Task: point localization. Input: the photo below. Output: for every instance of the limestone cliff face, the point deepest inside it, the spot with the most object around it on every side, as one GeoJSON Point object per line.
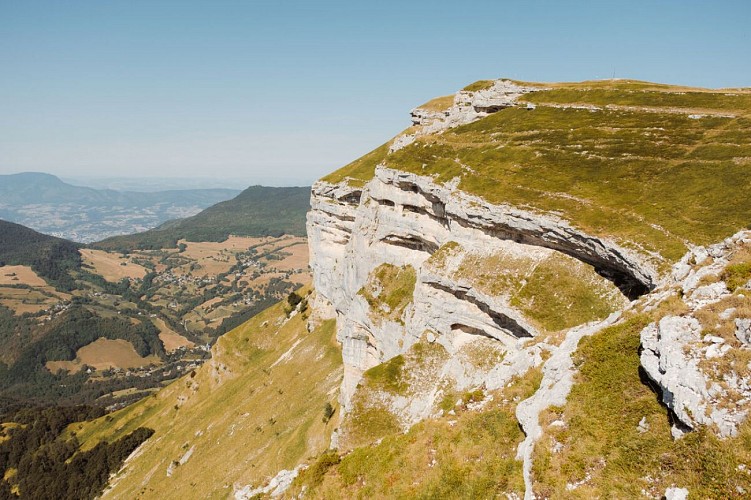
{"type": "Point", "coordinates": [402, 259]}
{"type": "Point", "coordinates": [402, 219]}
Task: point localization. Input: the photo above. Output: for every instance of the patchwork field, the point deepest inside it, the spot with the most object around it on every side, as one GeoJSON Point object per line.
{"type": "Point", "coordinates": [24, 292]}
{"type": "Point", "coordinates": [170, 338]}
{"type": "Point", "coordinates": [112, 266]}
{"type": "Point", "coordinates": [15, 275]}
{"type": "Point", "coordinates": [103, 354]}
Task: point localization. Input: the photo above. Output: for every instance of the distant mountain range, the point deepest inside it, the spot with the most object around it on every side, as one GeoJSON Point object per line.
{"type": "Point", "coordinates": [46, 203]}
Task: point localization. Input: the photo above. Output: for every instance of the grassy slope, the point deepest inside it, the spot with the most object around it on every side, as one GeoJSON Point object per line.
{"type": "Point", "coordinates": [257, 211]}
{"type": "Point", "coordinates": [247, 418]}
{"type": "Point", "coordinates": [467, 454]}
{"type": "Point", "coordinates": [641, 172]}
{"type": "Point", "coordinates": [554, 293]}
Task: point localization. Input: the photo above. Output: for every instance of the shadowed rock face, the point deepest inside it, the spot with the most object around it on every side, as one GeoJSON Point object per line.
{"type": "Point", "coordinates": [402, 219]}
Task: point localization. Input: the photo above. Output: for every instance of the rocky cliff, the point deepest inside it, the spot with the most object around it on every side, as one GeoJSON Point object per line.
{"type": "Point", "coordinates": [410, 257]}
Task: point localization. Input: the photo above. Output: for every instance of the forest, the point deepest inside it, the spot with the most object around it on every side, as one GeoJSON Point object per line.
{"type": "Point", "coordinates": [40, 463]}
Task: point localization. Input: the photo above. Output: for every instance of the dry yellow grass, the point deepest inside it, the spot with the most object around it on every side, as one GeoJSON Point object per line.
{"type": "Point", "coordinates": [23, 300]}
{"type": "Point", "coordinates": [215, 257]}
{"type": "Point", "coordinates": [112, 266]}
{"type": "Point", "coordinates": [20, 275]}
{"type": "Point", "coordinates": [170, 338]}
{"type": "Point", "coordinates": [203, 249]}
{"type": "Point", "coordinates": [298, 260]}
{"type": "Point", "coordinates": [439, 103]}
{"type": "Point", "coordinates": [26, 300]}
{"type": "Point", "coordinates": [103, 354]}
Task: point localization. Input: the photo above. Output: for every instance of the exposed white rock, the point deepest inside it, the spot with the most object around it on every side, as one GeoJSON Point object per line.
{"type": "Point", "coordinates": [674, 352]}
{"type": "Point", "coordinates": [743, 330]}
{"type": "Point", "coordinates": [709, 293]}
{"type": "Point", "coordinates": [643, 426]}
{"type": "Point", "coordinates": [276, 487]}
{"type": "Point", "coordinates": [401, 219]}
{"type": "Point", "coordinates": [557, 381]}
{"type": "Point", "coordinates": [683, 384]}
{"type": "Point", "coordinates": [468, 106]}
{"type": "Point", "coordinates": [676, 494]}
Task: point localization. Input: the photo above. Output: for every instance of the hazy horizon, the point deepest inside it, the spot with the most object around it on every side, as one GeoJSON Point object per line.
{"type": "Point", "coordinates": [280, 93]}
{"type": "Point", "coordinates": [156, 182]}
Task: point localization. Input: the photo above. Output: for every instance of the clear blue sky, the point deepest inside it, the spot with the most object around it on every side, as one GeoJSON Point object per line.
{"type": "Point", "coordinates": [282, 92]}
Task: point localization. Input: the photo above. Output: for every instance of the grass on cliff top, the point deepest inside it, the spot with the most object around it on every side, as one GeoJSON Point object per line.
{"type": "Point", "coordinates": [361, 170]}
{"type": "Point", "coordinates": [468, 455]}
{"type": "Point", "coordinates": [438, 104]}
{"type": "Point", "coordinates": [601, 441]}
{"type": "Point", "coordinates": [654, 179]}
{"type": "Point", "coordinates": [265, 389]}
{"type": "Point", "coordinates": [739, 102]}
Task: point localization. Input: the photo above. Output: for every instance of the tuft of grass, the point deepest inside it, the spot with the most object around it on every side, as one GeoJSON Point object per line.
{"type": "Point", "coordinates": [389, 291]}
{"type": "Point", "coordinates": [388, 376]}
{"type": "Point", "coordinates": [313, 475]}
{"type": "Point", "coordinates": [736, 275]}
{"type": "Point", "coordinates": [415, 373]}
{"type": "Point", "coordinates": [479, 85]}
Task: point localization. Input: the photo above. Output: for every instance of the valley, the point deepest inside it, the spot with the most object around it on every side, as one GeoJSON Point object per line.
{"type": "Point", "coordinates": [188, 295]}
{"type": "Point", "coordinates": [108, 323]}
{"type": "Point", "coordinates": [47, 204]}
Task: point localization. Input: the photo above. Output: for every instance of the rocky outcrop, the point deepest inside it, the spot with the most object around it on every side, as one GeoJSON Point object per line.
{"type": "Point", "coordinates": [468, 106]}
{"type": "Point", "coordinates": [275, 487]}
{"type": "Point", "coordinates": [696, 359]}
{"type": "Point", "coordinates": [402, 219]}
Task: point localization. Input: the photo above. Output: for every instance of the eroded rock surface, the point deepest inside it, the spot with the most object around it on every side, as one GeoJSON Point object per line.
{"type": "Point", "coordinates": [699, 358]}
{"type": "Point", "coordinates": [468, 106]}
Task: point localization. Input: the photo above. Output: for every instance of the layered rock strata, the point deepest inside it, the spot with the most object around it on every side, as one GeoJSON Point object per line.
{"type": "Point", "coordinates": [401, 219]}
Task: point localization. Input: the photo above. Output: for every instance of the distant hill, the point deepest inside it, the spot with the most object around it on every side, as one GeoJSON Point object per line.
{"type": "Point", "coordinates": [46, 203]}
{"type": "Point", "coordinates": [34, 187]}
{"type": "Point", "coordinates": [257, 211]}
{"type": "Point", "coordinates": [48, 256]}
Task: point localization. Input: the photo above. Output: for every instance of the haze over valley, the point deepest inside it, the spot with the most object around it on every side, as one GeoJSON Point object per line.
{"type": "Point", "coordinates": [45, 203]}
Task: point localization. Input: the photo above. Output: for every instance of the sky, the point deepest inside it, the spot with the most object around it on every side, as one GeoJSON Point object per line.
{"type": "Point", "coordinates": [283, 92]}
